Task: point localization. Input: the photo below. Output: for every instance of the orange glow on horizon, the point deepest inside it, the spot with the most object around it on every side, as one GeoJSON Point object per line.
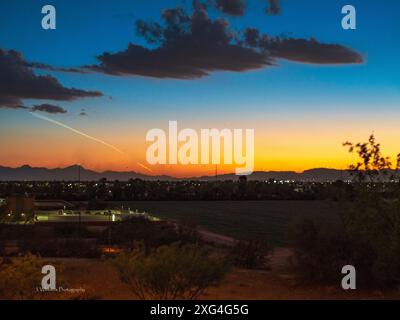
{"type": "Point", "coordinates": [293, 145]}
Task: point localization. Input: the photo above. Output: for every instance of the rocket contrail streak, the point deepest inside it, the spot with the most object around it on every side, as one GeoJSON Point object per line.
{"type": "Point", "coordinates": [76, 131]}
{"type": "Point", "coordinates": [144, 167]}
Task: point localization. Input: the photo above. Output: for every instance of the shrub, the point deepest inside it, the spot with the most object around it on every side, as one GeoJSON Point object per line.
{"type": "Point", "coordinates": [20, 277]}
{"type": "Point", "coordinates": [152, 234]}
{"type": "Point", "coordinates": [62, 248]}
{"type": "Point", "coordinates": [374, 216]}
{"type": "Point", "coordinates": [320, 251]}
{"type": "Point", "coordinates": [369, 234]}
{"type": "Point", "coordinates": [71, 230]}
{"type": "Point", "coordinates": [251, 254]}
{"type": "Point", "coordinates": [169, 272]}
{"type": "Point", "coordinates": [376, 222]}
{"type": "Point", "coordinates": [187, 231]}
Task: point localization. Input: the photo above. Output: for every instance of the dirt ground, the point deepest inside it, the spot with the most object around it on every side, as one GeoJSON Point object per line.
{"type": "Point", "coordinates": [101, 282]}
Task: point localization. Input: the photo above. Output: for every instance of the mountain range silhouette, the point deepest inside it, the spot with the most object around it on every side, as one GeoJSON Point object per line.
{"type": "Point", "coordinates": [76, 172]}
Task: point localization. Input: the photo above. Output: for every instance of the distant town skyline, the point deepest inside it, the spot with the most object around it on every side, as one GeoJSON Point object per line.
{"type": "Point", "coordinates": [292, 73]}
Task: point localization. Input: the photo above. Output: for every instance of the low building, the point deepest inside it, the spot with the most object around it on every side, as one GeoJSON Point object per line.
{"type": "Point", "coordinates": [53, 205]}
{"type": "Point", "coordinates": [20, 205]}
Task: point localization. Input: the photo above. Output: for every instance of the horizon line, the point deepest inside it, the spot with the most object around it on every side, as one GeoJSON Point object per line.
{"type": "Point", "coordinates": [168, 175]}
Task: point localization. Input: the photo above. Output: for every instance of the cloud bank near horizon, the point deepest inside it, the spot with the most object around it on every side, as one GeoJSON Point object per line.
{"type": "Point", "coordinates": [19, 82]}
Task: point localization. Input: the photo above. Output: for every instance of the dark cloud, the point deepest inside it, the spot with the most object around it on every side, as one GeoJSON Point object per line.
{"type": "Point", "coordinates": [312, 51]}
{"type": "Point", "coordinates": [49, 108]}
{"type": "Point", "coordinates": [252, 37]}
{"type": "Point", "coordinates": [43, 66]}
{"type": "Point", "coordinates": [18, 82]}
{"type": "Point", "coordinates": [10, 102]}
{"type": "Point", "coordinates": [274, 7]}
{"type": "Point", "coordinates": [192, 46]}
{"type": "Point", "coordinates": [232, 7]}
{"type": "Point", "coordinates": [301, 50]}
{"type": "Point", "coordinates": [188, 47]}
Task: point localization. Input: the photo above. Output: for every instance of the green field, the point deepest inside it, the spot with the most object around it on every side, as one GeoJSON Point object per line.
{"type": "Point", "coordinates": [267, 220]}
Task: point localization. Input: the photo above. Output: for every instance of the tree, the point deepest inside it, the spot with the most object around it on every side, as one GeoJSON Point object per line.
{"type": "Point", "coordinates": [174, 272]}
{"type": "Point", "coordinates": [368, 235]}
{"type": "Point", "coordinates": [372, 164]}
{"type": "Point", "coordinates": [373, 217]}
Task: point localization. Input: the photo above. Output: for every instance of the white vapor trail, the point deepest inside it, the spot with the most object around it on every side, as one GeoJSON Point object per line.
{"type": "Point", "coordinates": [145, 167]}
{"type": "Point", "coordinates": [76, 131]}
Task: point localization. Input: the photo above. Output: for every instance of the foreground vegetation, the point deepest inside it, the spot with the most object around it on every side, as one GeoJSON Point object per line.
{"type": "Point", "coordinates": [368, 233]}
{"type": "Point", "coordinates": [174, 272]}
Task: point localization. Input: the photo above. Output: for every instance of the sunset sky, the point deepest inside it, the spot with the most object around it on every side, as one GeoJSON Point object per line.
{"type": "Point", "coordinates": [318, 87]}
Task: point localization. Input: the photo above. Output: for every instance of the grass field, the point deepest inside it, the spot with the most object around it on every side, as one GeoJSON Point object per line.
{"type": "Point", "coordinates": [267, 220]}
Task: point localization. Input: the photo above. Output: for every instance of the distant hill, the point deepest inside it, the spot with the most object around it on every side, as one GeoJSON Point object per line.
{"type": "Point", "coordinates": [317, 175]}
{"type": "Point", "coordinates": [71, 173]}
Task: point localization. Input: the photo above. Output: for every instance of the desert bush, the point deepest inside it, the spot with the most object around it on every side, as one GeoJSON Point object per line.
{"type": "Point", "coordinates": [320, 252]}
{"type": "Point", "coordinates": [369, 234]}
{"type": "Point", "coordinates": [376, 222]}
{"type": "Point", "coordinates": [88, 293]}
{"type": "Point", "coordinates": [20, 277]}
{"type": "Point", "coordinates": [187, 231]}
{"type": "Point", "coordinates": [17, 232]}
{"type": "Point", "coordinates": [252, 254]}
{"type": "Point", "coordinates": [152, 234]}
{"type": "Point", "coordinates": [71, 230]}
{"type": "Point", "coordinates": [170, 272]}
{"type": "Point", "coordinates": [374, 216]}
{"type": "Point", "coordinates": [77, 248]}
